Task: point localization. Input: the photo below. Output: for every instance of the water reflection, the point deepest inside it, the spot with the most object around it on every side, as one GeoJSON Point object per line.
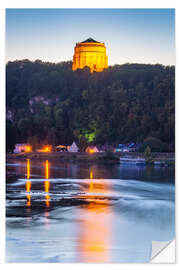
{"type": "Point", "coordinates": [96, 226]}
{"type": "Point", "coordinates": [91, 181]}
{"type": "Point", "coordinates": [62, 169]}
{"type": "Point", "coordinates": [28, 184]}
{"type": "Point", "coordinates": [47, 183]}
{"type": "Point", "coordinates": [87, 216]}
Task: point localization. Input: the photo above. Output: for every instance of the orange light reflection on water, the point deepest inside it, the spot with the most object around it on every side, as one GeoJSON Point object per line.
{"type": "Point", "coordinates": [91, 181]}
{"type": "Point", "coordinates": [28, 168]}
{"type": "Point", "coordinates": [28, 199]}
{"type": "Point", "coordinates": [96, 225]}
{"type": "Point", "coordinates": [28, 184]}
{"type": "Point", "coordinates": [47, 183]}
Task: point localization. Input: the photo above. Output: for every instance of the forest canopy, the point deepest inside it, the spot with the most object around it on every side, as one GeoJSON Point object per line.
{"type": "Point", "coordinates": [50, 103]}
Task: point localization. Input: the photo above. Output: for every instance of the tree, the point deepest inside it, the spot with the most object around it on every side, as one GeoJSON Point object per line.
{"type": "Point", "coordinates": [155, 145]}
{"type": "Point", "coordinates": [147, 152]}
{"type": "Point", "coordinates": [123, 103]}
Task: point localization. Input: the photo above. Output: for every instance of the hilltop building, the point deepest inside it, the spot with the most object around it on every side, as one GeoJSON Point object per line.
{"type": "Point", "coordinates": [90, 53]}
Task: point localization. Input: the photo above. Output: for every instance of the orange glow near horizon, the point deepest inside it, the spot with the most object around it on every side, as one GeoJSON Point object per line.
{"type": "Point", "coordinates": [28, 148]}
{"type": "Point", "coordinates": [91, 150]}
{"type": "Point", "coordinates": [28, 184]}
{"type": "Point", "coordinates": [47, 148]}
{"type": "Point", "coordinates": [47, 183]}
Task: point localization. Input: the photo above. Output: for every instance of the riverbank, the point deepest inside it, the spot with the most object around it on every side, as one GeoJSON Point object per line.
{"type": "Point", "coordinates": [66, 156]}
{"type": "Point", "coordinates": [113, 158]}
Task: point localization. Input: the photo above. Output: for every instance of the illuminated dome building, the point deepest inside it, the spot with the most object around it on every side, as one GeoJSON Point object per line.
{"type": "Point", "coordinates": [90, 53]}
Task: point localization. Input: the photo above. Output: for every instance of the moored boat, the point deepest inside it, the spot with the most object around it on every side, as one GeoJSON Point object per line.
{"type": "Point", "coordinates": [132, 161]}
{"type": "Point", "coordinates": [159, 163]}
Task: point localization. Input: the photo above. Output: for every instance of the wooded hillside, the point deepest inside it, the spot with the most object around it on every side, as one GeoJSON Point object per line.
{"type": "Point", "coordinates": [50, 103]}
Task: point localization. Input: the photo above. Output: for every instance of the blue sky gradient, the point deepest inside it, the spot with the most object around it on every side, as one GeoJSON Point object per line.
{"type": "Point", "coordinates": [130, 35]}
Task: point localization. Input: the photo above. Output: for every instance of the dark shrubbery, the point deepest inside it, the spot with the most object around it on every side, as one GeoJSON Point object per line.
{"type": "Point", "coordinates": [109, 156]}
{"type": "Point", "coordinates": [155, 145]}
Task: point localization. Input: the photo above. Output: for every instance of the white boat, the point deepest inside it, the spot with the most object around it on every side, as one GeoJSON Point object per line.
{"type": "Point", "coordinates": [159, 163]}
{"type": "Point", "coordinates": [132, 161]}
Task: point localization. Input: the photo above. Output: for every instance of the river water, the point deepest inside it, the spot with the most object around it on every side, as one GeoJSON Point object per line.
{"type": "Point", "coordinates": [67, 212]}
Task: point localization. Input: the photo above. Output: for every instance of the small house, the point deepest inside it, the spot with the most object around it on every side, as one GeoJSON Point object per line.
{"type": "Point", "coordinates": [92, 149]}
{"type": "Point", "coordinates": [73, 148]}
{"type": "Point", "coordinates": [22, 147]}
{"type": "Point", "coordinates": [61, 148]}
{"type": "Point", "coordinates": [130, 147]}
{"type": "Point", "coordinates": [121, 148]}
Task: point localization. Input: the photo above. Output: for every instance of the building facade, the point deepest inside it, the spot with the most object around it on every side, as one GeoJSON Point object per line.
{"type": "Point", "coordinates": [22, 147]}
{"type": "Point", "coordinates": [90, 53]}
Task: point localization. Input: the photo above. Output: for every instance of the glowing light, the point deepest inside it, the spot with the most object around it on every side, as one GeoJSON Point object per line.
{"type": "Point", "coordinates": [47, 183]}
{"type": "Point", "coordinates": [28, 200]}
{"type": "Point", "coordinates": [47, 169]}
{"type": "Point", "coordinates": [23, 148]}
{"type": "Point", "coordinates": [28, 184]}
{"type": "Point", "coordinates": [28, 148]}
{"type": "Point", "coordinates": [28, 168]}
{"type": "Point", "coordinates": [91, 174]}
{"type": "Point", "coordinates": [91, 54]}
{"type": "Point", "coordinates": [91, 182]}
{"type": "Point", "coordinates": [47, 200]}
{"type": "Point", "coordinates": [91, 151]}
{"type": "Point", "coordinates": [95, 231]}
{"type": "Point", "coordinates": [90, 136]}
{"type": "Point", "coordinates": [46, 148]}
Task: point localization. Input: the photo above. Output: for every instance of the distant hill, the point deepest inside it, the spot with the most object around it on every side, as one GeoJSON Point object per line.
{"type": "Point", "coordinates": [49, 102]}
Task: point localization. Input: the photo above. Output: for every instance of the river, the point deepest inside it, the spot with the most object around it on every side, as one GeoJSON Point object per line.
{"type": "Point", "coordinates": [69, 212]}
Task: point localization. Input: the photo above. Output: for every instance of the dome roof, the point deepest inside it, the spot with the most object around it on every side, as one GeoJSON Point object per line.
{"type": "Point", "coordinates": [89, 40]}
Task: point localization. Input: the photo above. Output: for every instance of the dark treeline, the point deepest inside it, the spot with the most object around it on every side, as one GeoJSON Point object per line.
{"type": "Point", "coordinates": [50, 103]}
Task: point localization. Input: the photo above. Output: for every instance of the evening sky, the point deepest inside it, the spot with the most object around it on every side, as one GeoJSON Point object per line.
{"type": "Point", "coordinates": [130, 35]}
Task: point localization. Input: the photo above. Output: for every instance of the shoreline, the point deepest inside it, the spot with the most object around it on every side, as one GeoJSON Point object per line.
{"type": "Point", "coordinates": [90, 158]}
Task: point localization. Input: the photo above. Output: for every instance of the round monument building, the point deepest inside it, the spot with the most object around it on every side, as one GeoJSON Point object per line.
{"type": "Point", "coordinates": [90, 53]}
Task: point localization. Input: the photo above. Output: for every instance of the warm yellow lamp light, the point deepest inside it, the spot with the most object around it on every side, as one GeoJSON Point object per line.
{"type": "Point", "coordinates": [46, 148]}
{"type": "Point", "coordinates": [28, 148]}
{"type": "Point", "coordinates": [91, 151]}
